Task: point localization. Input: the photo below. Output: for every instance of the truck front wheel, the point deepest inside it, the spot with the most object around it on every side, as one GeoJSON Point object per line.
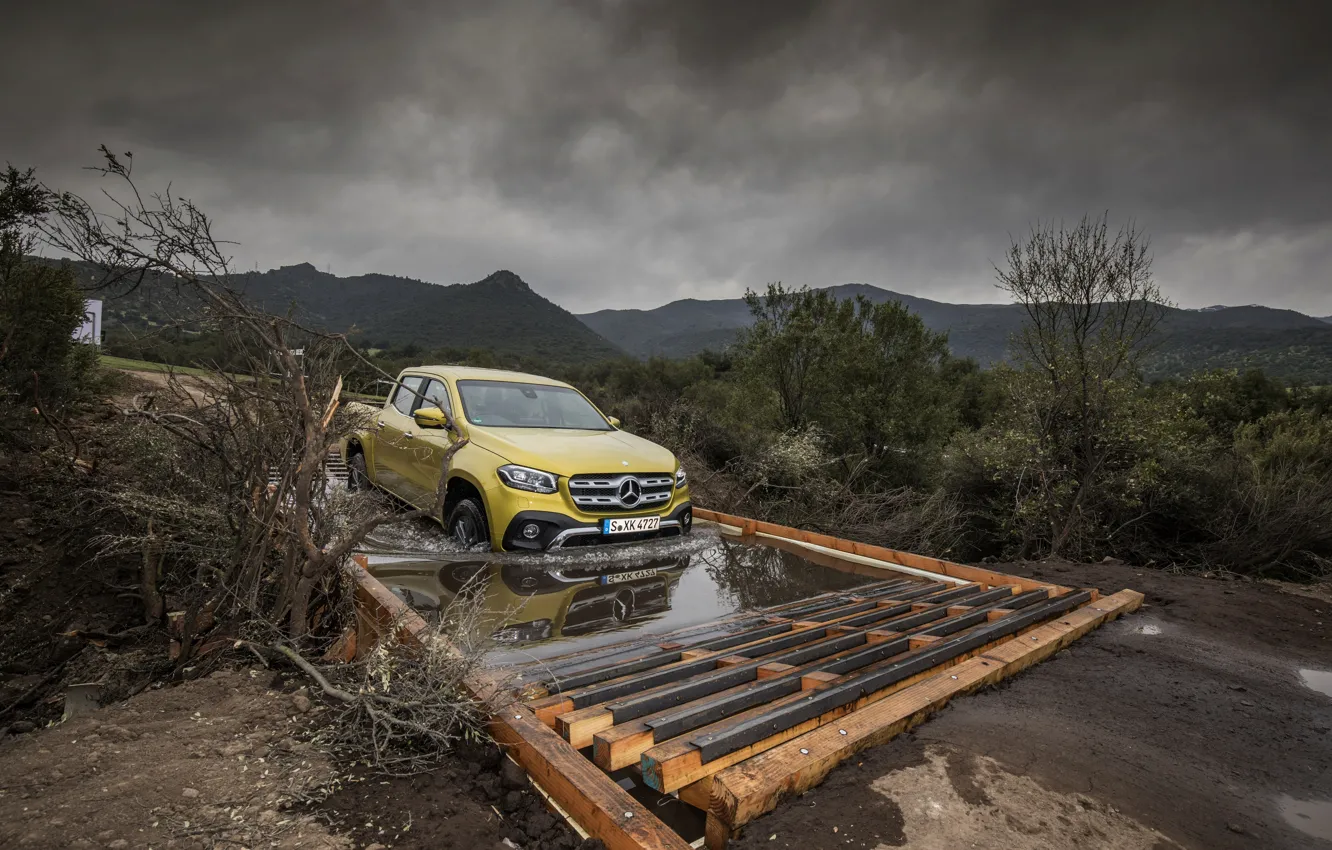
{"type": "Point", "coordinates": [467, 524]}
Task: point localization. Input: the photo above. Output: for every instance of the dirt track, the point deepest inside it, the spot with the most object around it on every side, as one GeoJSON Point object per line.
{"type": "Point", "coordinates": [1183, 725]}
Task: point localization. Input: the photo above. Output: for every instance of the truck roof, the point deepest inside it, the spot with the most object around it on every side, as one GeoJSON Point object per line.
{"type": "Point", "coordinates": [476, 373]}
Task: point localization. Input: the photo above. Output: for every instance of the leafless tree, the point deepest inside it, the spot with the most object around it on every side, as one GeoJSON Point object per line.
{"type": "Point", "coordinates": [245, 520]}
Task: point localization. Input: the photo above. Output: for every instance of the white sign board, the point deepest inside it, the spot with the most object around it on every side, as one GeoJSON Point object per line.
{"type": "Point", "coordinates": [91, 329]}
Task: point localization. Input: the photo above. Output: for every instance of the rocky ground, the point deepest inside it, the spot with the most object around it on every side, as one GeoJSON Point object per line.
{"type": "Point", "coordinates": [213, 762]}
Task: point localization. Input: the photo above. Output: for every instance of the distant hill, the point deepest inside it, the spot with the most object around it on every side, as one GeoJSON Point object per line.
{"type": "Point", "coordinates": [500, 313]}
{"type": "Point", "coordinates": [686, 327]}
{"type": "Point", "coordinates": [1285, 343]}
{"type": "Point", "coordinates": [503, 314]}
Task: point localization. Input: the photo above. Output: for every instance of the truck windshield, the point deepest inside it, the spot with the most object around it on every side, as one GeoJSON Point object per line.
{"type": "Point", "coordinates": [505, 404]}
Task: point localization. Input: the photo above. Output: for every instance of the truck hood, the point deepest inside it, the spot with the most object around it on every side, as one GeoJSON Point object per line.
{"type": "Point", "coordinates": [566, 452]}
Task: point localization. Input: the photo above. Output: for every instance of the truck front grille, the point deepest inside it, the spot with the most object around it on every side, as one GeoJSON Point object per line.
{"type": "Point", "coordinates": [617, 491]}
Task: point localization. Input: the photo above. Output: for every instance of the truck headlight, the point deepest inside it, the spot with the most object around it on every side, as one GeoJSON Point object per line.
{"type": "Point", "coordinates": [680, 478]}
{"type": "Point", "coordinates": [526, 478]}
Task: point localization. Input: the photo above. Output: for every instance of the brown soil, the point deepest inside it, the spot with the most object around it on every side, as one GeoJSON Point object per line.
{"type": "Point", "coordinates": [212, 763]}
{"type": "Point", "coordinates": [1179, 726]}
{"type": "Point", "coordinates": [475, 801]}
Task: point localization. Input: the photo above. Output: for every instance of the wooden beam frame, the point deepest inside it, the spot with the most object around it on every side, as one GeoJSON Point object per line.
{"type": "Point", "coordinates": [889, 557]}
{"type": "Point", "coordinates": [741, 793]}
{"type": "Point", "coordinates": [750, 781]}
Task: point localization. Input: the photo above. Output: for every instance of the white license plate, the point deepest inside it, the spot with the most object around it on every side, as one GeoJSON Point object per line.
{"type": "Point", "coordinates": [630, 525]}
{"type": "Point", "coordinates": [632, 575]}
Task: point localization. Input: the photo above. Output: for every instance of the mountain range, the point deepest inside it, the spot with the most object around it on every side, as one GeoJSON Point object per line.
{"type": "Point", "coordinates": [503, 314]}
{"type": "Point", "coordinates": [1283, 342]}
{"type": "Point", "coordinates": [500, 312]}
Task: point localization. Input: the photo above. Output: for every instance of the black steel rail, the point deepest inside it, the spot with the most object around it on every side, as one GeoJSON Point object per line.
{"type": "Point", "coordinates": [581, 678]}
{"type": "Point", "coordinates": [699, 714]}
{"type": "Point", "coordinates": [721, 679]}
{"type": "Point", "coordinates": [717, 744]}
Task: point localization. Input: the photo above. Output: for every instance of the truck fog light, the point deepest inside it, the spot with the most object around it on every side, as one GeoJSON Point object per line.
{"type": "Point", "coordinates": [531, 530]}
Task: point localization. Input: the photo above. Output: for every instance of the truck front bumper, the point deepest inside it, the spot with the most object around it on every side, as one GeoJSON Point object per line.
{"type": "Point", "coordinates": [557, 531]}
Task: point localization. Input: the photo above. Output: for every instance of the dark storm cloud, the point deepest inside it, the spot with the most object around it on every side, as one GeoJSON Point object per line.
{"type": "Point", "coordinates": [622, 153]}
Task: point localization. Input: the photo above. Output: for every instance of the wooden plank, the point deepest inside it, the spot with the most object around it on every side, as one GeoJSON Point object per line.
{"type": "Point", "coordinates": [732, 660]}
{"type": "Point", "coordinates": [882, 553]}
{"type": "Point", "coordinates": [549, 709]}
{"type": "Point", "coordinates": [816, 680]}
{"type": "Point", "coordinates": [745, 791]}
{"type": "Point", "coordinates": [776, 668]}
{"type": "Point", "coordinates": [578, 727]}
{"type": "Point", "coordinates": [922, 640]}
{"type": "Point", "coordinates": [698, 795]}
{"type": "Point", "coordinates": [379, 604]}
{"type": "Point", "coordinates": [589, 796]}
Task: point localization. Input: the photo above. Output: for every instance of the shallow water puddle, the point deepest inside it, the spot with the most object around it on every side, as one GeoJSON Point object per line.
{"type": "Point", "coordinates": [1312, 817]}
{"type": "Point", "coordinates": [1318, 680]}
{"type": "Point", "coordinates": [537, 606]}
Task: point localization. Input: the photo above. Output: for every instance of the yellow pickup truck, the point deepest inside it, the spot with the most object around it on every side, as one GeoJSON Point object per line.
{"type": "Point", "coordinates": [542, 467]}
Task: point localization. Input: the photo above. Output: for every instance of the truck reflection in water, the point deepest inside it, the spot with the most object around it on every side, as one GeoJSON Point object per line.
{"type": "Point", "coordinates": [527, 603]}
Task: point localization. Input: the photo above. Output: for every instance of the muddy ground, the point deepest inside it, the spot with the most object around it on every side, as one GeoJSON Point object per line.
{"type": "Point", "coordinates": [214, 762]}
{"type": "Point", "coordinates": [223, 762]}
{"type": "Point", "coordinates": [1185, 725]}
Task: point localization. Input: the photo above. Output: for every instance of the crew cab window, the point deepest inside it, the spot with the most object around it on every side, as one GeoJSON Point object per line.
{"type": "Point", "coordinates": [435, 395]}
{"type": "Point", "coordinates": [404, 400]}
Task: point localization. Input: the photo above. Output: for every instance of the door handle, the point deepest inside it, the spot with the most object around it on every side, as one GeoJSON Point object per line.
{"type": "Point", "coordinates": [408, 434]}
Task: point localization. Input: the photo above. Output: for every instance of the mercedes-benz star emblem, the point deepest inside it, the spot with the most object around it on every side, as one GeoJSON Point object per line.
{"type": "Point", "coordinates": [630, 492]}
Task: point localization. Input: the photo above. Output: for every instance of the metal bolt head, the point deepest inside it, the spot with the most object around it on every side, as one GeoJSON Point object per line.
{"type": "Point", "coordinates": [841, 731]}
{"type": "Point", "coordinates": [628, 814]}
{"type": "Point", "coordinates": [804, 752]}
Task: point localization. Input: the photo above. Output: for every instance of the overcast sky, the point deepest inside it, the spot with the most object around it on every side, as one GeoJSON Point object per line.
{"type": "Point", "coordinates": [625, 153]}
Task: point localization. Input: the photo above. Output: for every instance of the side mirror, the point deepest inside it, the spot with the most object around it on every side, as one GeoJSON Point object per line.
{"type": "Point", "coordinates": [614, 421]}
{"type": "Point", "coordinates": [432, 417]}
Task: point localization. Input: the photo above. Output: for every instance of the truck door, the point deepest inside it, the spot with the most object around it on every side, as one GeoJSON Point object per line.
{"type": "Point", "coordinates": [395, 435]}
{"type": "Point", "coordinates": [428, 457]}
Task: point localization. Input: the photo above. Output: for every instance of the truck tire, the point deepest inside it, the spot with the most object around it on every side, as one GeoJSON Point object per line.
{"type": "Point", "coordinates": [358, 477]}
{"type": "Point", "coordinates": [467, 524]}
